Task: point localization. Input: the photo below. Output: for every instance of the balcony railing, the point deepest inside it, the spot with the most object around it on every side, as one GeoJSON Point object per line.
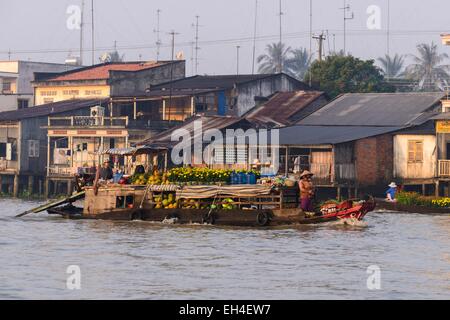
{"type": "Point", "coordinates": [444, 168]}
{"type": "Point", "coordinates": [7, 165]}
{"type": "Point", "coordinates": [83, 121]}
{"type": "Point", "coordinates": [60, 171]}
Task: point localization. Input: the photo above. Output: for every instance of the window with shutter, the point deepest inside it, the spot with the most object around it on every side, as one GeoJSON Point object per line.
{"type": "Point", "coordinates": [33, 148]}
{"type": "Point", "coordinates": [415, 151]}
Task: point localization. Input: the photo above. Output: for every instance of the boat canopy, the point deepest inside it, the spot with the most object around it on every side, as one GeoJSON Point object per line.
{"type": "Point", "coordinates": [133, 151]}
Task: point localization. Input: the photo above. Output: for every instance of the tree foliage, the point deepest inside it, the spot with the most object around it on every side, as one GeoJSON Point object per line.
{"type": "Point", "coordinates": [275, 56]}
{"type": "Point", "coordinates": [428, 69]}
{"type": "Point", "coordinates": [392, 66]}
{"type": "Point", "coordinates": [346, 74]}
{"type": "Point", "coordinates": [298, 63]}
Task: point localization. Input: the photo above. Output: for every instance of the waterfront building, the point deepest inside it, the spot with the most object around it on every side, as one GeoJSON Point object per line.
{"type": "Point", "coordinates": [16, 91]}
{"type": "Point", "coordinates": [364, 141]}
{"type": "Point", "coordinates": [23, 145]}
{"type": "Point", "coordinates": [106, 80]}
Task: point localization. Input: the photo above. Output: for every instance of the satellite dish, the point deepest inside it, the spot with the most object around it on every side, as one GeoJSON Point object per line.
{"type": "Point", "coordinates": [106, 57]}
{"type": "Point", "coordinates": [180, 55]}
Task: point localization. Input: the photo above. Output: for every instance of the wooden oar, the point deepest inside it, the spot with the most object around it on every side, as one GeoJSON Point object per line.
{"type": "Point", "coordinates": [53, 204]}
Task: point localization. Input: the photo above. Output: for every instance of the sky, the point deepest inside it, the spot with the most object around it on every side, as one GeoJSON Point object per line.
{"type": "Point", "coordinates": [38, 30]}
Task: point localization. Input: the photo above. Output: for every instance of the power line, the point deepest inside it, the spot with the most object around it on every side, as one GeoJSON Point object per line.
{"type": "Point", "coordinates": [294, 35]}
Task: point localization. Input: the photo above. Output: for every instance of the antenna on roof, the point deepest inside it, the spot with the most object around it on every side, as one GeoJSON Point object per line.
{"type": "Point", "coordinates": [196, 44]}
{"type": "Point", "coordinates": [81, 32]}
{"type": "Point", "coordinates": [92, 32]}
{"type": "Point", "coordinates": [158, 34]}
{"type": "Point", "coordinates": [255, 32]}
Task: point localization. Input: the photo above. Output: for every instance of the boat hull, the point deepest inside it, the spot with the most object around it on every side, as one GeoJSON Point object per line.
{"type": "Point", "coordinates": [393, 206]}
{"type": "Point", "coordinates": [238, 218]}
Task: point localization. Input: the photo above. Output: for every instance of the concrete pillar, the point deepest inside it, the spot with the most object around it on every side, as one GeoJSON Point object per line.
{"type": "Point", "coordinates": [30, 184]}
{"type": "Point", "coordinates": [339, 195]}
{"type": "Point", "coordinates": [436, 190]}
{"type": "Point", "coordinates": [424, 189]}
{"type": "Point", "coordinates": [69, 187]}
{"type": "Point", "coordinates": [16, 186]}
{"type": "Point", "coordinates": [46, 188]}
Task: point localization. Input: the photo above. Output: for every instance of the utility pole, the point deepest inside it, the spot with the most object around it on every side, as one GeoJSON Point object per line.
{"type": "Point", "coordinates": [388, 35]}
{"type": "Point", "coordinates": [255, 31]}
{"type": "Point", "coordinates": [81, 32]}
{"type": "Point", "coordinates": [334, 43]}
{"type": "Point", "coordinates": [345, 9]}
{"type": "Point", "coordinates": [237, 59]}
{"type": "Point", "coordinates": [310, 36]}
{"type": "Point", "coordinates": [173, 34]}
{"type": "Point", "coordinates": [158, 35]}
{"type": "Point", "coordinates": [320, 39]}
{"type": "Point", "coordinates": [280, 62]}
{"type": "Point", "coordinates": [196, 44]}
{"type": "Point", "coordinates": [92, 31]}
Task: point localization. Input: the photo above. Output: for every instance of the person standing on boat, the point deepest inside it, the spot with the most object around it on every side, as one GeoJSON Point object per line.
{"type": "Point", "coordinates": [391, 192]}
{"type": "Point", "coordinates": [106, 172]}
{"type": "Point", "coordinates": [306, 191]}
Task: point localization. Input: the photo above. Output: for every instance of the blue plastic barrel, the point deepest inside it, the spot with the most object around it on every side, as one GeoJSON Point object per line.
{"type": "Point", "coordinates": [234, 178]}
{"type": "Point", "coordinates": [251, 178]}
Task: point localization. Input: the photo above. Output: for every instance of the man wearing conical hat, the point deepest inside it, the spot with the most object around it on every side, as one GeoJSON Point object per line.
{"type": "Point", "coordinates": [306, 191]}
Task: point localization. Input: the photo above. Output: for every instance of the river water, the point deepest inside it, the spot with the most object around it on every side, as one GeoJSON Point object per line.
{"type": "Point", "coordinates": [140, 260]}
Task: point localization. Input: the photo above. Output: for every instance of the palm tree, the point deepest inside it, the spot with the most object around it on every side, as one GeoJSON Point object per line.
{"type": "Point", "coordinates": [392, 66]}
{"type": "Point", "coordinates": [428, 69]}
{"type": "Point", "coordinates": [274, 60]}
{"type": "Point", "coordinates": [298, 64]}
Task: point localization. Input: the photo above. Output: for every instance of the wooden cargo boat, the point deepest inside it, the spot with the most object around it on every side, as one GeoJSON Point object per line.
{"type": "Point", "coordinates": [242, 205]}
{"type": "Point", "coordinates": [395, 206]}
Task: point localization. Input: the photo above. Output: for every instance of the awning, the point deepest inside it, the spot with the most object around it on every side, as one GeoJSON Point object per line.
{"type": "Point", "coordinates": [133, 151]}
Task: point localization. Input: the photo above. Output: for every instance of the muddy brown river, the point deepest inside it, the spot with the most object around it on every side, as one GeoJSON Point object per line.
{"type": "Point", "coordinates": [141, 260]}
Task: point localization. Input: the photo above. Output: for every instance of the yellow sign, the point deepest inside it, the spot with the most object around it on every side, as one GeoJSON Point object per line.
{"type": "Point", "coordinates": [443, 127]}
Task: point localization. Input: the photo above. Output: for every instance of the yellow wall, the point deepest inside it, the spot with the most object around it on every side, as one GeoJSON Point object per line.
{"type": "Point", "coordinates": [55, 94]}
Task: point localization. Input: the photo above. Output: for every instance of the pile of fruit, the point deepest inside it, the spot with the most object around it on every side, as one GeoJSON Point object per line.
{"type": "Point", "coordinates": [226, 204]}
{"type": "Point", "coordinates": [155, 179]}
{"type": "Point", "coordinates": [165, 201]}
{"type": "Point", "coordinates": [198, 175]}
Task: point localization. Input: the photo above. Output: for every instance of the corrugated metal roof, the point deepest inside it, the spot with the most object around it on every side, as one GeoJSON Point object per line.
{"type": "Point", "coordinates": [282, 106]}
{"type": "Point", "coordinates": [211, 82]}
{"type": "Point", "coordinates": [376, 109]}
{"type": "Point", "coordinates": [208, 122]}
{"type": "Point", "coordinates": [50, 109]}
{"type": "Point", "coordinates": [101, 72]}
{"type": "Point", "coordinates": [442, 116]}
{"type": "Point", "coordinates": [329, 135]}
